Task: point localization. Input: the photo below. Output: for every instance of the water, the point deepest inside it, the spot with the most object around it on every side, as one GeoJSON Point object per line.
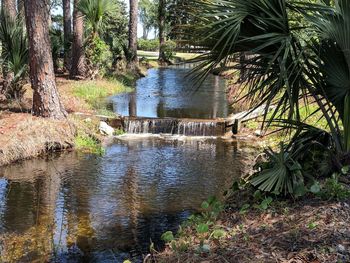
{"type": "Point", "coordinates": [183, 127]}
{"type": "Point", "coordinates": [78, 207]}
{"type": "Point", "coordinates": [168, 92]}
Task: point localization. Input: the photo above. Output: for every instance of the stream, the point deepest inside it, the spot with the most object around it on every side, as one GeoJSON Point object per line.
{"type": "Point", "coordinates": [78, 207]}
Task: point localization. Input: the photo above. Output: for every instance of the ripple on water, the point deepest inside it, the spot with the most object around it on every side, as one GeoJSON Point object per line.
{"type": "Point", "coordinates": [105, 207]}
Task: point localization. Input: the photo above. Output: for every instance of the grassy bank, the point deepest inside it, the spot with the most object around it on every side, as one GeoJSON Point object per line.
{"type": "Point", "coordinates": [24, 136]}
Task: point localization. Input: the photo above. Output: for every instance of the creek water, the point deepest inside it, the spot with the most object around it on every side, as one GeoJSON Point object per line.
{"type": "Point", "coordinates": [78, 207]}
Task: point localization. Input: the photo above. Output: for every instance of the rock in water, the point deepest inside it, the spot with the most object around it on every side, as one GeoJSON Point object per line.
{"type": "Point", "coordinates": [106, 129]}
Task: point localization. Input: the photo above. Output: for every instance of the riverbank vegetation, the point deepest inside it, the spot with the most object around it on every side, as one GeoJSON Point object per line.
{"type": "Point", "coordinates": [288, 56]}
{"type": "Point", "coordinates": [292, 56]}
{"type": "Point", "coordinates": [89, 48]}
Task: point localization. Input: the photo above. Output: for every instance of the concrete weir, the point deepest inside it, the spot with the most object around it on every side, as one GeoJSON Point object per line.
{"type": "Point", "coordinates": [186, 127]}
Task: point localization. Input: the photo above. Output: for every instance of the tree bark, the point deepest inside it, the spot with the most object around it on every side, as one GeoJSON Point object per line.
{"type": "Point", "coordinates": [46, 100]}
{"type": "Point", "coordinates": [8, 8]}
{"type": "Point", "coordinates": [161, 26]}
{"type": "Point", "coordinates": [78, 66]}
{"type": "Point", "coordinates": [20, 6]}
{"type": "Point", "coordinates": [132, 58]}
{"type": "Point", "coordinates": [67, 27]}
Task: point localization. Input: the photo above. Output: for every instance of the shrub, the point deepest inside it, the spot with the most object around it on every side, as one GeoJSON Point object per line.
{"type": "Point", "coordinates": [169, 49]}
{"type": "Point", "coordinates": [148, 45]}
{"type": "Point", "coordinates": [99, 56]}
{"type": "Point", "coordinates": [14, 56]}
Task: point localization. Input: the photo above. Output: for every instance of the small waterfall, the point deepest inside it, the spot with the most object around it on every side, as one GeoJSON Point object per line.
{"type": "Point", "coordinates": [195, 128]}
{"type": "Point", "coordinates": [185, 127]}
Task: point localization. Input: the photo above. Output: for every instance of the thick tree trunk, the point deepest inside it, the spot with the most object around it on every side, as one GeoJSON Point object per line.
{"type": "Point", "coordinates": [132, 58]}
{"type": "Point", "coordinates": [67, 25]}
{"type": "Point", "coordinates": [78, 66]}
{"type": "Point", "coordinates": [8, 8]}
{"type": "Point", "coordinates": [161, 26]}
{"type": "Point", "coordinates": [46, 100]}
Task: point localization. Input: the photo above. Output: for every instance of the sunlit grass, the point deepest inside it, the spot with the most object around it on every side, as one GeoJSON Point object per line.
{"type": "Point", "coordinates": [94, 90]}
{"type": "Point", "coordinates": [88, 144]}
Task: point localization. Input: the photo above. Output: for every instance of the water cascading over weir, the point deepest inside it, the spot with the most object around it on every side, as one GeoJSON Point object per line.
{"type": "Point", "coordinates": [185, 127]}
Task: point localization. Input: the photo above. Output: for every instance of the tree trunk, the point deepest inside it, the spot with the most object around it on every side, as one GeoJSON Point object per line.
{"type": "Point", "coordinates": [20, 6]}
{"type": "Point", "coordinates": [161, 26]}
{"type": "Point", "coordinates": [67, 25]}
{"type": "Point", "coordinates": [78, 66]}
{"type": "Point", "coordinates": [145, 32]}
{"type": "Point", "coordinates": [8, 8]}
{"type": "Point", "coordinates": [132, 57]}
{"type": "Point", "coordinates": [46, 100]}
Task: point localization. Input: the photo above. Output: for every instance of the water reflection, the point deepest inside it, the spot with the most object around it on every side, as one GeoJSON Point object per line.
{"type": "Point", "coordinates": [75, 207]}
{"type": "Point", "coordinates": [168, 92]}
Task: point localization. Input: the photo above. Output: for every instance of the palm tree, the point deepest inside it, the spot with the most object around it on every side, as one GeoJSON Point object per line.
{"type": "Point", "coordinates": [95, 13]}
{"type": "Point", "coordinates": [46, 100]}
{"type": "Point", "coordinates": [132, 56]}
{"type": "Point", "coordinates": [288, 61]}
{"type": "Point", "coordinates": [78, 65]}
{"type": "Point", "coordinates": [297, 55]}
{"type": "Point", "coordinates": [8, 12]}
{"type": "Point", "coordinates": [14, 56]}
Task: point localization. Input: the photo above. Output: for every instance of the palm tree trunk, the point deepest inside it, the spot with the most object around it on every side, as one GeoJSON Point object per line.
{"type": "Point", "coordinates": [8, 8]}
{"type": "Point", "coordinates": [161, 26]}
{"type": "Point", "coordinates": [46, 100]}
{"type": "Point", "coordinates": [78, 66]}
{"type": "Point", "coordinates": [132, 57]}
{"type": "Point", "coordinates": [67, 25]}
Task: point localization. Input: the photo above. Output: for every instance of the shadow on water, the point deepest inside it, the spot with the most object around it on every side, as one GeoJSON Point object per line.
{"type": "Point", "coordinates": [77, 207]}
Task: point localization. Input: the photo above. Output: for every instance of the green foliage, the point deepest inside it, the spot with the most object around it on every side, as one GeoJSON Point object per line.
{"type": "Point", "coordinates": [93, 91]}
{"type": "Point", "coordinates": [201, 226]}
{"type": "Point", "coordinates": [88, 144]}
{"type": "Point", "coordinates": [281, 174]}
{"type": "Point", "coordinates": [14, 56]}
{"type": "Point", "coordinates": [119, 132]}
{"type": "Point", "coordinates": [312, 225]}
{"type": "Point", "coordinates": [148, 45]}
{"type": "Point", "coordinates": [167, 236]}
{"type": "Point", "coordinates": [333, 189]}
{"type": "Point", "coordinates": [115, 32]}
{"type": "Point", "coordinates": [148, 11]}
{"type": "Point", "coordinates": [98, 55]}
{"type": "Point", "coordinates": [95, 12]}
{"type": "Point", "coordinates": [290, 63]}
{"type": "Point", "coordinates": [169, 49]}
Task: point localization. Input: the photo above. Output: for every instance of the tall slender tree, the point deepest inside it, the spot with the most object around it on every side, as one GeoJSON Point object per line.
{"type": "Point", "coordinates": [67, 28]}
{"type": "Point", "coordinates": [8, 8]}
{"type": "Point", "coordinates": [161, 27]}
{"type": "Point", "coordinates": [46, 100]}
{"type": "Point", "coordinates": [132, 56]}
{"type": "Point", "coordinates": [78, 66]}
{"type": "Point", "coordinates": [20, 7]}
